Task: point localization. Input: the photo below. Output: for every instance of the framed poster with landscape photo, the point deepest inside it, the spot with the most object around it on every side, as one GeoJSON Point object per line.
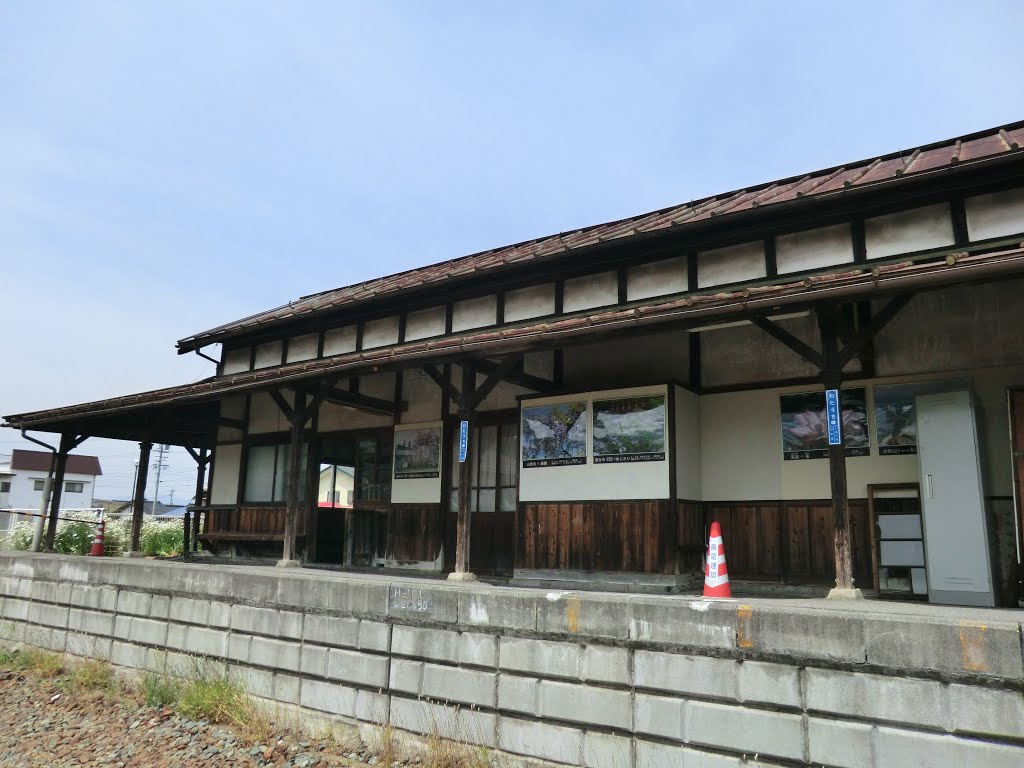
{"type": "Point", "coordinates": [629, 429]}
{"type": "Point", "coordinates": [805, 424]}
{"type": "Point", "coordinates": [554, 435]}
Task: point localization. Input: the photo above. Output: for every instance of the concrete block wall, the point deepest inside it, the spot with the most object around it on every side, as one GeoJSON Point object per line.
{"type": "Point", "coordinates": [602, 681]}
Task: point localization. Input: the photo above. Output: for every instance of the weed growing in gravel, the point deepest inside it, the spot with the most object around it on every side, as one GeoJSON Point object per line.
{"type": "Point", "coordinates": [93, 675]}
{"type": "Point", "coordinates": [460, 752]}
{"type": "Point", "coordinates": [384, 744]}
{"type": "Point", "coordinates": [160, 691]}
{"type": "Point", "coordinates": [42, 663]}
{"type": "Point", "coordinates": [219, 700]}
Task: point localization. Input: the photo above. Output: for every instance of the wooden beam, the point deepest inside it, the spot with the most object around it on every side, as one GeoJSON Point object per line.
{"type": "Point", "coordinates": [867, 334]}
{"type": "Point", "coordinates": [288, 555]}
{"type": "Point", "coordinates": [805, 351]}
{"type": "Point", "coordinates": [518, 377]}
{"type": "Point", "coordinates": [362, 402]}
{"type": "Point", "coordinates": [286, 409]}
{"type": "Point", "coordinates": [696, 374]}
{"type": "Point", "coordinates": [462, 539]}
{"type": "Point", "coordinates": [448, 389]}
{"type": "Point", "coordinates": [67, 442]}
{"type": "Point", "coordinates": [498, 374]}
{"type": "Point", "coordinates": [140, 495]}
{"type": "Point", "coordinates": [224, 421]}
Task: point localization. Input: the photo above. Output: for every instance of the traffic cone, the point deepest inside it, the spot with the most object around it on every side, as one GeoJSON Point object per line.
{"type": "Point", "coordinates": [97, 543]}
{"type": "Point", "coordinates": [716, 575]}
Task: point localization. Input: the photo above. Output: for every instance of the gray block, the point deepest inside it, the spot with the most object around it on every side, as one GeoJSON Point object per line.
{"type": "Point", "coordinates": [331, 630]}
{"type": "Point", "coordinates": [372, 707]}
{"type": "Point", "coordinates": [697, 675]}
{"type": "Point", "coordinates": [406, 676]}
{"type": "Point", "coordinates": [602, 750]}
{"type": "Point", "coordinates": [744, 730]}
{"type": "Point", "coordinates": [518, 694]}
{"type": "Point", "coordinates": [287, 688]}
{"type": "Point", "coordinates": [160, 607]}
{"type": "Point", "coordinates": [876, 697]}
{"type": "Point", "coordinates": [987, 712]}
{"type": "Point", "coordinates": [768, 683]}
{"type": "Point", "coordinates": [51, 592]}
{"type": "Point", "coordinates": [808, 634]}
{"type": "Point", "coordinates": [218, 615]}
{"type": "Point", "coordinates": [898, 749]}
{"type": "Point", "coordinates": [16, 610]}
{"type": "Point", "coordinates": [603, 664]}
{"type": "Point", "coordinates": [650, 754]}
{"type": "Point", "coordinates": [684, 622]}
{"type": "Point", "coordinates": [418, 642]}
{"type": "Point", "coordinates": [586, 705]}
{"type": "Point", "coordinates": [839, 743]}
{"type": "Point", "coordinates": [207, 642]}
{"type": "Point", "coordinates": [438, 604]}
{"type": "Point", "coordinates": [459, 685]}
{"type": "Point", "coordinates": [478, 650]}
{"type": "Point", "coordinates": [374, 636]}
{"type": "Point", "coordinates": [328, 697]}
{"type": "Point", "coordinates": [357, 668]}
{"type": "Point", "coordinates": [582, 614]}
{"type": "Point", "coordinates": [49, 638]}
{"type": "Point", "coordinates": [127, 655]}
{"type": "Point", "coordinates": [313, 660]}
{"type": "Point", "coordinates": [536, 739]}
{"type": "Point", "coordinates": [88, 646]}
{"type": "Point", "coordinates": [275, 654]}
{"type": "Point", "coordinates": [93, 597]}
{"type": "Point", "coordinates": [133, 603]}
{"type": "Point", "coordinates": [123, 627]}
{"type": "Point", "coordinates": [659, 716]}
{"type": "Point", "coordinates": [148, 631]}
{"type": "Point", "coordinates": [256, 587]}
{"type": "Point", "coordinates": [176, 638]}
{"type": "Point", "coordinates": [541, 657]}
{"type": "Point", "coordinates": [48, 615]}
{"type": "Point", "coordinates": [188, 611]}
{"type": "Point", "coordinates": [497, 610]}
{"type": "Point", "coordinates": [238, 647]}
{"type": "Point", "coordinates": [258, 682]}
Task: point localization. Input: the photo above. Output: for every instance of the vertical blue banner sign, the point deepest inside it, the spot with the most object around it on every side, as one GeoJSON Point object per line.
{"type": "Point", "coordinates": [835, 422]}
{"type": "Point", "coordinates": [463, 440]}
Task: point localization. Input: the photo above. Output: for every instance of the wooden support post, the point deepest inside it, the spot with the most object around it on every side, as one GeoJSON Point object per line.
{"type": "Point", "coordinates": [832, 377]}
{"type": "Point", "coordinates": [140, 497]}
{"type": "Point", "coordinates": [67, 442]}
{"type": "Point", "coordinates": [187, 534]}
{"type": "Point", "coordinates": [298, 423]}
{"type": "Point", "coordinates": [202, 462]}
{"type": "Point", "coordinates": [463, 522]}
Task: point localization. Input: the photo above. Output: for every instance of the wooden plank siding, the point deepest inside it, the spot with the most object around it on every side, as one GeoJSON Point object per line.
{"type": "Point", "coordinates": [248, 523]}
{"type": "Point", "coordinates": [414, 532]}
{"type": "Point", "coordinates": [613, 536]}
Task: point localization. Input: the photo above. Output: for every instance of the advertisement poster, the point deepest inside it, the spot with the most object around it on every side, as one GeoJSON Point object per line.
{"type": "Point", "coordinates": [805, 424]}
{"type": "Point", "coordinates": [417, 453]}
{"type": "Point", "coordinates": [895, 421]}
{"type": "Point", "coordinates": [555, 435]}
{"type": "Point", "coordinates": [629, 429]}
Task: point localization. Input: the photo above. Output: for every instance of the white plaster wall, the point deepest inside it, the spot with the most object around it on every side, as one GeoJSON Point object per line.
{"type": "Point", "coordinates": [585, 482]}
{"type": "Point", "coordinates": [422, 395]}
{"type": "Point", "coordinates": [236, 360]}
{"type": "Point", "coordinates": [730, 265]}
{"type": "Point", "coordinates": [380, 333]}
{"type": "Point", "coordinates": [628, 362]}
{"type": "Point", "coordinates": [540, 364]}
{"type": "Point", "coordinates": [231, 408]}
{"type": "Point", "coordinates": [422, 490]}
{"type": "Point", "coordinates": [908, 231]}
{"type": "Point", "coordinates": [741, 442]}
{"type": "Point", "coordinates": [339, 341]}
{"type": "Point", "coordinates": [745, 353]}
{"type": "Point", "coordinates": [590, 291]}
{"type": "Point", "coordinates": [814, 249]}
{"type": "Point", "coordinates": [999, 214]}
{"type": "Point", "coordinates": [657, 279]}
{"type": "Point", "coordinates": [227, 465]}
{"type": "Point", "coordinates": [688, 458]}
{"type": "Point", "coordinates": [265, 416]}
{"type": "Point", "coordinates": [533, 301]}
{"type": "Point", "coordinates": [268, 355]}
{"type": "Point", "coordinates": [503, 396]}
{"type": "Point", "coordinates": [334, 417]}
{"type": "Point", "coordinates": [474, 313]}
{"type": "Point", "coordinates": [302, 348]}
{"type": "Point", "coordinates": [424, 324]}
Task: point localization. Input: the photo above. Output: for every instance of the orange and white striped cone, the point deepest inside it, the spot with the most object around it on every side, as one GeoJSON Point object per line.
{"type": "Point", "coordinates": [97, 543]}
{"type": "Point", "coordinates": [716, 575]}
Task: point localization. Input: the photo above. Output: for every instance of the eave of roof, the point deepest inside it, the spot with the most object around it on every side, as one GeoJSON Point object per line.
{"type": "Point", "coordinates": [849, 281]}
{"type": "Point", "coordinates": [862, 175]}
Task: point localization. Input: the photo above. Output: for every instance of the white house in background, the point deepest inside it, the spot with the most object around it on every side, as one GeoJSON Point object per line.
{"type": "Point", "coordinates": [336, 486]}
{"type": "Point", "coordinates": [23, 474]}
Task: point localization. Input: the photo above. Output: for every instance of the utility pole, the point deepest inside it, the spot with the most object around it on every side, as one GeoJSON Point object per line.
{"type": "Point", "coordinates": [159, 465]}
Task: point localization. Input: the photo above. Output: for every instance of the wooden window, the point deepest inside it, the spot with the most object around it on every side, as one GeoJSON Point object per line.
{"type": "Point", "coordinates": [38, 485]}
{"type": "Point", "coordinates": [494, 452]}
{"type": "Point", "coordinates": [72, 486]}
{"type": "Point", "coordinates": [266, 473]}
{"type": "Point", "coordinates": [373, 470]}
{"type": "Point", "coordinates": [5, 486]}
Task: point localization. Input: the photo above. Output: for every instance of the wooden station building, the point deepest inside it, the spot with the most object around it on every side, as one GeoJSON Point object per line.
{"type": "Point", "coordinates": [624, 384]}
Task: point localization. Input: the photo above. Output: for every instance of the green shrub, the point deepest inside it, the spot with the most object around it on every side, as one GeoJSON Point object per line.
{"type": "Point", "coordinates": [163, 538]}
{"type": "Point", "coordinates": [20, 536]}
{"type": "Point", "coordinates": [160, 691]}
{"type": "Point", "coordinates": [74, 538]}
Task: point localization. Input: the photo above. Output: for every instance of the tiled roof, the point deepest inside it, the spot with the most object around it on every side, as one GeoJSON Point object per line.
{"type": "Point", "coordinates": [984, 145]}
{"type": "Point", "coordinates": [848, 281]}
{"type": "Point", "coordinates": [39, 461]}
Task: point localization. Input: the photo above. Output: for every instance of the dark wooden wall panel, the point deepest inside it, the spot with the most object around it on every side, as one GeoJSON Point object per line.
{"type": "Point", "coordinates": [690, 535]}
{"type": "Point", "coordinates": [616, 536]}
{"type": "Point", "coordinates": [414, 532]}
{"type": "Point", "coordinates": [750, 531]}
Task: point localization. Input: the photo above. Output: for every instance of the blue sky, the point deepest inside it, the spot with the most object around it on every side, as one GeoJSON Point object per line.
{"type": "Point", "coordinates": [165, 167]}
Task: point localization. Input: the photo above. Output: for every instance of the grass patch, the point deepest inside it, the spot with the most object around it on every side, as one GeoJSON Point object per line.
{"type": "Point", "coordinates": [384, 744]}
{"type": "Point", "coordinates": [42, 663]}
{"type": "Point", "coordinates": [93, 675]}
{"type": "Point", "coordinates": [159, 691]}
{"type": "Point", "coordinates": [219, 700]}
